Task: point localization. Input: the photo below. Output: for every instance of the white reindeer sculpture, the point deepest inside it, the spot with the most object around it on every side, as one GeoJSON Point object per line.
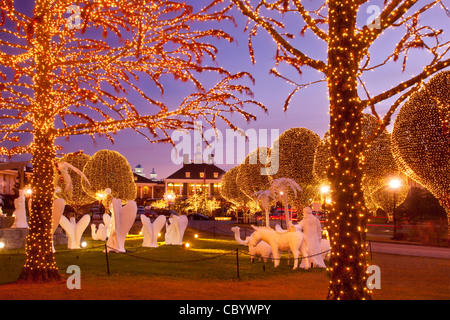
{"type": "Point", "coordinates": [262, 249]}
{"type": "Point", "coordinates": [291, 239]}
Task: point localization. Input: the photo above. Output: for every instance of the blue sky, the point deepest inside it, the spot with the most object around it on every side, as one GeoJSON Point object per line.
{"type": "Point", "coordinates": [308, 108]}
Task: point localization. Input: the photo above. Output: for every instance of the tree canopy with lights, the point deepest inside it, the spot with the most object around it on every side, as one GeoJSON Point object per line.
{"type": "Point", "coordinates": [296, 147]}
{"type": "Point", "coordinates": [109, 169]}
{"type": "Point", "coordinates": [348, 38]}
{"type": "Point", "coordinates": [70, 69]}
{"type": "Point", "coordinates": [421, 138]}
{"type": "Point", "coordinates": [76, 197]}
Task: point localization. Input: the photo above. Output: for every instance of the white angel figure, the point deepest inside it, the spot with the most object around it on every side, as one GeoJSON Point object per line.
{"type": "Point", "coordinates": [20, 214]}
{"type": "Point", "coordinates": [175, 230]}
{"type": "Point", "coordinates": [107, 222]}
{"type": "Point", "coordinates": [99, 233]}
{"type": "Point", "coordinates": [150, 230]}
{"type": "Point", "coordinates": [58, 210]}
{"type": "Point", "coordinates": [122, 220]}
{"type": "Point", "coordinates": [74, 230]}
{"type": "Point", "coordinates": [63, 168]}
{"type": "Point", "coordinates": [312, 231]}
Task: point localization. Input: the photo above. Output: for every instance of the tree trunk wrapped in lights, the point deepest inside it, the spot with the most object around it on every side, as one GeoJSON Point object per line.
{"type": "Point", "coordinates": [379, 167]}
{"type": "Point", "coordinates": [348, 52]}
{"type": "Point", "coordinates": [421, 138]}
{"type": "Point", "coordinates": [83, 68]}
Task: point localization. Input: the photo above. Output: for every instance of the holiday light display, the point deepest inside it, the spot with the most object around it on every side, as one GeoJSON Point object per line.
{"type": "Point", "coordinates": [348, 55]}
{"type": "Point", "coordinates": [249, 178]}
{"type": "Point", "coordinates": [68, 72]}
{"type": "Point", "coordinates": [296, 160]}
{"type": "Point", "coordinates": [231, 192]}
{"type": "Point", "coordinates": [421, 138]}
{"type": "Point", "coordinates": [76, 196]}
{"type": "Point", "coordinates": [109, 169]}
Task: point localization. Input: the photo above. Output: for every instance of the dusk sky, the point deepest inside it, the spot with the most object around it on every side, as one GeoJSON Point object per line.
{"type": "Point", "coordinates": [308, 108]}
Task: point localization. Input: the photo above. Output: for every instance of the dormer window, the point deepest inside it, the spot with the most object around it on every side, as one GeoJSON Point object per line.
{"type": "Point", "coordinates": [216, 174]}
{"type": "Point", "coordinates": [188, 174]}
{"type": "Point", "coordinates": [202, 174]}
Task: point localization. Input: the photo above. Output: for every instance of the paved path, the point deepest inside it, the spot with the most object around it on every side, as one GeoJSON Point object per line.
{"type": "Point", "coordinates": [223, 228]}
{"type": "Point", "coordinates": [411, 250]}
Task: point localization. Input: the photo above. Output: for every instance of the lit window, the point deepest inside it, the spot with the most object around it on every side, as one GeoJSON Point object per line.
{"type": "Point", "coordinates": [202, 174]}
{"type": "Point", "coordinates": [188, 174]}
{"type": "Point", "coordinates": [216, 174]}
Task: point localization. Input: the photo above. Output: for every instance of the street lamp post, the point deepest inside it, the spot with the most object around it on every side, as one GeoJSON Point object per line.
{"type": "Point", "coordinates": [394, 184]}
{"type": "Point", "coordinates": [324, 190]}
{"type": "Point", "coordinates": [169, 197]}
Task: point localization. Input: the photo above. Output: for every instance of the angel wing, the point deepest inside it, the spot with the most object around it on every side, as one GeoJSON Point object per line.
{"type": "Point", "coordinates": [64, 169]}
{"type": "Point", "coordinates": [182, 224]}
{"type": "Point", "coordinates": [81, 225]}
{"type": "Point", "coordinates": [124, 218]}
{"type": "Point", "coordinates": [58, 209]}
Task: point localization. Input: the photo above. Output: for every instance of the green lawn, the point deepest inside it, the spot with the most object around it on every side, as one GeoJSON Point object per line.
{"type": "Point", "coordinates": [206, 258]}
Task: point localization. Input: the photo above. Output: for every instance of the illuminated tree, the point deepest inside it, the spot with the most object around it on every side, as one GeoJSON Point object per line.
{"type": "Point", "coordinates": [196, 202]}
{"type": "Point", "coordinates": [76, 197]}
{"type": "Point", "coordinates": [230, 191]}
{"type": "Point", "coordinates": [421, 138]}
{"type": "Point", "coordinates": [249, 178]}
{"type": "Point", "coordinates": [296, 161]}
{"type": "Point", "coordinates": [86, 68]}
{"type": "Point", "coordinates": [348, 49]}
{"type": "Point", "coordinates": [379, 169]}
{"type": "Point", "coordinates": [109, 169]}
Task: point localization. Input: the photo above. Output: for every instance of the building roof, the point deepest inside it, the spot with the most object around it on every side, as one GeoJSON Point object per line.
{"type": "Point", "coordinates": [194, 169]}
{"type": "Point", "coordinates": [140, 179]}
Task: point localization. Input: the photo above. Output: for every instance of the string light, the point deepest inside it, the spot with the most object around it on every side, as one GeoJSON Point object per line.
{"type": "Point", "coordinates": [109, 169]}
{"type": "Point", "coordinates": [58, 81]}
{"type": "Point", "coordinates": [421, 138]}
{"type": "Point", "coordinates": [348, 58]}
{"type": "Point", "coordinates": [78, 197]}
{"type": "Point", "coordinates": [296, 161]}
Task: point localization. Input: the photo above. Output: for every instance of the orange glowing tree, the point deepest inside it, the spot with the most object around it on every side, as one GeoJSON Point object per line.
{"type": "Point", "coordinates": [86, 68]}
{"type": "Point", "coordinates": [346, 36]}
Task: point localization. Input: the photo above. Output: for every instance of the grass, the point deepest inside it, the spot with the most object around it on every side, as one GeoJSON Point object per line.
{"type": "Point", "coordinates": [207, 270]}
{"type": "Point", "coordinates": [207, 258]}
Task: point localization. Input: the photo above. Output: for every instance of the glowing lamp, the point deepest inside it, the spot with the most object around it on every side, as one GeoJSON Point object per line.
{"type": "Point", "coordinates": [324, 189]}
{"type": "Point", "coordinates": [2, 244]}
{"type": "Point", "coordinates": [395, 184]}
{"type": "Point", "coordinates": [28, 192]}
